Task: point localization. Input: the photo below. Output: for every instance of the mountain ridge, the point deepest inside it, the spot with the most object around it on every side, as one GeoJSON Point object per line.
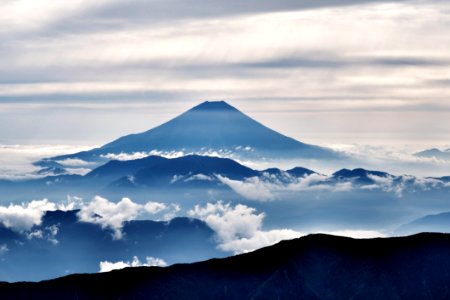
{"type": "Point", "coordinates": [312, 267]}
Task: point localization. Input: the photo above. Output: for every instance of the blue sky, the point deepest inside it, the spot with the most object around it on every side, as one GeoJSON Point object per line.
{"type": "Point", "coordinates": [324, 72]}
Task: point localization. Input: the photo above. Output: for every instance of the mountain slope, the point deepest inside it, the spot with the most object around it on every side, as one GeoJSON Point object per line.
{"type": "Point", "coordinates": [312, 267]}
{"type": "Point", "coordinates": [430, 223]}
{"type": "Point", "coordinates": [359, 175]}
{"type": "Point", "coordinates": [435, 153]}
{"type": "Point", "coordinates": [210, 126]}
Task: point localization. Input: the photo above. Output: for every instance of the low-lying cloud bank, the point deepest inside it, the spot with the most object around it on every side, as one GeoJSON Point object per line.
{"type": "Point", "coordinates": [269, 188]}
{"type": "Point", "coordinates": [16, 161]}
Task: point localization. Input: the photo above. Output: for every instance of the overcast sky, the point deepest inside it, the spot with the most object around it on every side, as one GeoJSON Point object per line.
{"type": "Point", "coordinates": [322, 71]}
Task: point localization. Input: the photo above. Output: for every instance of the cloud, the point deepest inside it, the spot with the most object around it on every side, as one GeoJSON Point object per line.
{"type": "Point", "coordinates": [173, 210]}
{"type": "Point", "coordinates": [138, 155]}
{"type": "Point", "coordinates": [154, 207]}
{"type": "Point", "coordinates": [71, 203]}
{"type": "Point", "coordinates": [3, 249]}
{"type": "Point", "coordinates": [23, 217]}
{"type": "Point", "coordinates": [259, 240]}
{"type": "Point", "coordinates": [24, 15]}
{"type": "Point", "coordinates": [112, 215]}
{"type": "Point", "coordinates": [109, 214]}
{"type": "Point", "coordinates": [199, 177]}
{"type": "Point", "coordinates": [318, 182]}
{"type": "Point", "coordinates": [357, 234]}
{"type": "Point", "coordinates": [16, 161]}
{"type": "Point", "coordinates": [239, 228]}
{"type": "Point", "coordinates": [271, 188]}
{"type": "Point", "coordinates": [74, 162]}
{"type": "Point", "coordinates": [403, 183]}
{"type": "Point", "coordinates": [230, 153]}
{"type": "Point", "coordinates": [394, 159]}
{"type": "Point", "coordinates": [106, 266]}
{"type": "Point", "coordinates": [97, 51]}
{"type": "Point", "coordinates": [48, 233]}
{"type": "Point", "coordinates": [251, 188]}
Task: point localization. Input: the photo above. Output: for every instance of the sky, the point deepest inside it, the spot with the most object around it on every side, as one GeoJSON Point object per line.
{"type": "Point", "coordinates": [324, 72]}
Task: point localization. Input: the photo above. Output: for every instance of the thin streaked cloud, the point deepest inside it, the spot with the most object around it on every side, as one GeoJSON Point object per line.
{"type": "Point", "coordinates": [295, 58]}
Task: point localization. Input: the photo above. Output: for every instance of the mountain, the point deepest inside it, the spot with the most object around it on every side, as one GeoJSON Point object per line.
{"type": "Point", "coordinates": [195, 176]}
{"type": "Point", "coordinates": [436, 153]}
{"type": "Point", "coordinates": [63, 244]}
{"type": "Point", "coordinates": [312, 267]}
{"type": "Point", "coordinates": [359, 175]}
{"type": "Point", "coordinates": [300, 172]}
{"type": "Point", "coordinates": [115, 169]}
{"type": "Point", "coordinates": [187, 170]}
{"type": "Point", "coordinates": [152, 173]}
{"type": "Point", "coordinates": [210, 126]}
{"type": "Point", "coordinates": [430, 223]}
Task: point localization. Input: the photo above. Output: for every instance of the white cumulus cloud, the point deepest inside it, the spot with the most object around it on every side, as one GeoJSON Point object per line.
{"type": "Point", "coordinates": [154, 207]}
{"type": "Point", "coordinates": [106, 266]}
{"type": "Point", "coordinates": [239, 228]}
{"type": "Point", "coordinates": [23, 217]}
{"type": "Point", "coordinates": [112, 215]}
{"type": "Point", "coordinates": [109, 214]}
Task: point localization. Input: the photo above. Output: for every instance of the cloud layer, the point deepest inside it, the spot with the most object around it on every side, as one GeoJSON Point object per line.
{"type": "Point", "coordinates": [311, 69]}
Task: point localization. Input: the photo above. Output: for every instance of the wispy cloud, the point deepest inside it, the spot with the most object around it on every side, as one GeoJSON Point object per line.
{"type": "Point", "coordinates": [266, 189]}
{"type": "Point", "coordinates": [84, 56]}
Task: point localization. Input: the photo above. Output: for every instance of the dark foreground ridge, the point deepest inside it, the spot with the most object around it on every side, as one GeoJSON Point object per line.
{"type": "Point", "coordinates": [312, 267]}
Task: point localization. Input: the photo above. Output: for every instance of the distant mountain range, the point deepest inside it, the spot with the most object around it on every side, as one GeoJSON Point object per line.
{"type": "Point", "coordinates": [63, 244]}
{"type": "Point", "coordinates": [436, 153]}
{"type": "Point", "coordinates": [208, 127]}
{"type": "Point", "coordinates": [312, 267]}
{"type": "Point", "coordinates": [199, 173]}
{"type": "Point", "coordinates": [154, 173]}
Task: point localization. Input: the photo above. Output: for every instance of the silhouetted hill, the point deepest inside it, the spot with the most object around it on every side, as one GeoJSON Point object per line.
{"type": "Point", "coordinates": [312, 267]}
